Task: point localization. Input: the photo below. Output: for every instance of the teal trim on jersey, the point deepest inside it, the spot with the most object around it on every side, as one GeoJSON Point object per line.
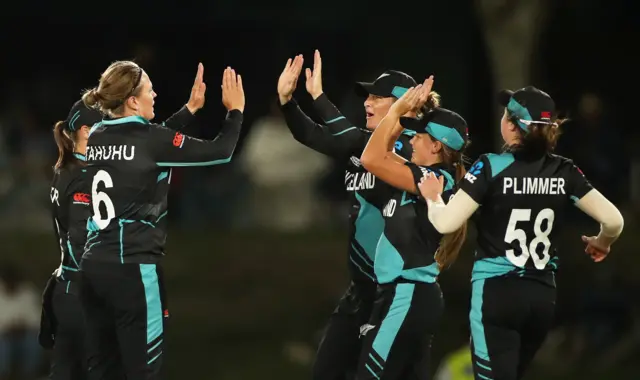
{"type": "Point", "coordinates": [519, 111]}
{"type": "Point", "coordinates": [154, 304]}
{"type": "Point", "coordinates": [94, 127]}
{"type": "Point", "coordinates": [475, 319]}
{"type": "Point", "coordinates": [187, 164]}
{"type": "Point", "coordinates": [121, 223]}
{"type": "Point", "coordinates": [426, 274]}
{"type": "Point", "coordinates": [345, 131]}
{"type": "Point", "coordinates": [394, 319]}
{"type": "Point", "coordinates": [79, 156]}
{"type": "Point", "coordinates": [573, 198]}
{"type": "Point", "coordinates": [499, 162]}
{"type": "Point", "coordinates": [446, 135]}
{"type": "Point", "coordinates": [69, 268]}
{"type": "Point", "coordinates": [92, 226]}
{"type": "Point", "coordinates": [405, 201]}
{"type": "Point", "coordinates": [366, 260]}
{"type": "Point", "coordinates": [162, 176]}
{"type": "Point", "coordinates": [71, 254]}
{"type": "Point", "coordinates": [161, 216]}
{"type": "Point", "coordinates": [361, 270]}
{"type": "Point", "coordinates": [124, 120]}
{"type": "Point", "coordinates": [74, 118]}
{"type": "Point", "coordinates": [398, 91]}
{"type": "Point", "coordinates": [388, 263]}
{"type": "Point", "coordinates": [336, 119]}
{"type": "Point", "coordinates": [389, 266]}
{"type": "Point", "coordinates": [449, 178]}
{"type": "Point", "coordinates": [491, 267]}
{"type": "Point", "coordinates": [369, 226]}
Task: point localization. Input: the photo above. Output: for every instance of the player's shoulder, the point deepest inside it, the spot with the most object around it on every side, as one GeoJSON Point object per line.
{"type": "Point", "coordinates": [564, 161]}
{"type": "Point", "coordinates": [403, 146]}
{"type": "Point", "coordinates": [493, 163]}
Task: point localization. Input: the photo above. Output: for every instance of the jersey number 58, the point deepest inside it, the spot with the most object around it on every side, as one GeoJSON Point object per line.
{"type": "Point", "coordinates": [98, 197]}
{"type": "Point", "coordinates": [528, 248]}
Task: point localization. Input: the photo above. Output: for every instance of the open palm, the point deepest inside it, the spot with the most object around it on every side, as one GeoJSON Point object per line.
{"type": "Point", "coordinates": [289, 78]}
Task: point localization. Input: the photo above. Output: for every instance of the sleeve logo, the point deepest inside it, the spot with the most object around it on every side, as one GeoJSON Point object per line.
{"type": "Point", "coordinates": [178, 140]}
{"type": "Point", "coordinates": [474, 171]}
{"type": "Point", "coordinates": [81, 198]}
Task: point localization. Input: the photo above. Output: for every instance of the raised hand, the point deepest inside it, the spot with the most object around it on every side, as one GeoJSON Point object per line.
{"type": "Point", "coordinates": [314, 78]}
{"type": "Point", "coordinates": [289, 78]}
{"type": "Point", "coordinates": [232, 90]}
{"type": "Point", "coordinates": [407, 102]}
{"type": "Point", "coordinates": [196, 100]}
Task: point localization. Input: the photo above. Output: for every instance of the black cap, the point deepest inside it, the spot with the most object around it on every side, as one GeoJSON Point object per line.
{"type": "Point", "coordinates": [443, 125]}
{"type": "Point", "coordinates": [81, 115]}
{"type": "Point", "coordinates": [391, 83]}
{"type": "Point", "coordinates": [529, 104]}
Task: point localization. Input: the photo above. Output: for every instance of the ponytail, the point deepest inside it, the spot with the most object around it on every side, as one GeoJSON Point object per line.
{"type": "Point", "coordinates": [538, 137]}
{"type": "Point", "coordinates": [451, 244]}
{"type": "Point", "coordinates": [65, 145]}
{"type": "Point", "coordinates": [90, 98]}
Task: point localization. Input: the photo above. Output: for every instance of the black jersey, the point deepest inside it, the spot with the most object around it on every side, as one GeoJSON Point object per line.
{"type": "Point", "coordinates": [340, 139]}
{"type": "Point", "coordinates": [70, 211]}
{"type": "Point", "coordinates": [129, 163]}
{"type": "Point", "coordinates": [408, 245]}
{"type": "Point", "coordinates": [70, 196]}
{"type": "Point", "coordinates": [523, 200]}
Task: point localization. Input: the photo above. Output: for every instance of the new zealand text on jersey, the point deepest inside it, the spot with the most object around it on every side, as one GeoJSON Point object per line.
{"type": "Point", "coordinates": [111, 152]}
{"type": "Point", "coordinates": [359, 181]}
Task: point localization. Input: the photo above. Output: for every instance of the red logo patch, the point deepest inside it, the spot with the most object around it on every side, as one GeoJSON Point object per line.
{"type": "Point", "coordinates": [81, 198]}
{"type": "Point", "coordinates": [178, 139]}
{"type": "Point", "coordinates": [545, 115]}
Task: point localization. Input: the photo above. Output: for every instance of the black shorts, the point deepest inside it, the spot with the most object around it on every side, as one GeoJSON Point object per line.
{"type": "Point", "coordinates": [509, 318]}
{"type": "Point", "coordinates": [69, 361]}
{"type": "Point", "coordinates": [339, 350]}
{"type": "Point", "coordinates": [397, 340]}
{"type": "Point", "coordinates": [125, 310]}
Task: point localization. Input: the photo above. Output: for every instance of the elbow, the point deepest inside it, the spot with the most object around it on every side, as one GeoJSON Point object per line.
{"type": "Point", "coordinates": [615, 224]}
{"type": "Point", "coordinates": [369, 161]}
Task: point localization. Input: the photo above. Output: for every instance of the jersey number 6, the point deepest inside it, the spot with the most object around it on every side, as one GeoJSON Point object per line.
{"type": "Point", "coordinates": [98, 197]}
{"type": "Point", "coordinates": [541, 237]}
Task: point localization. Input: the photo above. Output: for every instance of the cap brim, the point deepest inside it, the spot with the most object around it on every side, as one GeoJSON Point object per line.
{"type": "Point", "coordinates": [504, 96]}
{"type": "Point", "coordinates": [413, 124]}
{"type": "Point", "coordinates": [364, 89]}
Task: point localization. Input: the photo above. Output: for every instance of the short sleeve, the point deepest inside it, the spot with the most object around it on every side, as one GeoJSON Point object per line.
{"type": "Point", "coordinates": [418, 172]}
{"type": "Point", "coordinates": [579, 186]}
{"type": "Point", "coordinates": [477, 180]}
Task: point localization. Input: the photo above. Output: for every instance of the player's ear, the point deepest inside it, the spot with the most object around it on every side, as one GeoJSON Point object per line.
{"type": "Point", "coordinates": [436, 146]}
{"type": "Point", "coordinates": [132, 102]}
{"type": "Point", "coordinates": [84, 131]}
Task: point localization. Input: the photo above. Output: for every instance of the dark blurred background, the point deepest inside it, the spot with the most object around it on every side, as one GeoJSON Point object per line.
{"type": "Point", "coordinates": [256, 258]}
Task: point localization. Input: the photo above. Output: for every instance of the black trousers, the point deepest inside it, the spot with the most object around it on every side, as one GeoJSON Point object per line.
{"type": "Point", "coordinates": [339, 350]}
{"type": "Point", "coordinates": [510, 318]}
{"type": "Point", "coordinates": [125, 309]}
{"type": "Point", "coordinates": [69, 359]}
{"type": "Point", "coordinates": [397, 340]}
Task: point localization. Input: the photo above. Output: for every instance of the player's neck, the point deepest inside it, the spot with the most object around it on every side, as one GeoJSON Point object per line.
{"type": "Point", "coordinates": [80, 147]}
{"type": "Point", "coordinates": [430, 161]}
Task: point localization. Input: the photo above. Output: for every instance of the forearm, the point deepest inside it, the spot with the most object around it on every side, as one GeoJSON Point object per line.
{"type": "Point", "coordinates": [450, 217]}
{"type": "Point", "coordinates": [180, 119]}
{"type": "Point", "coordinates": [604, 212]}
{"type": "Point", "coordinates": [333, 118]}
